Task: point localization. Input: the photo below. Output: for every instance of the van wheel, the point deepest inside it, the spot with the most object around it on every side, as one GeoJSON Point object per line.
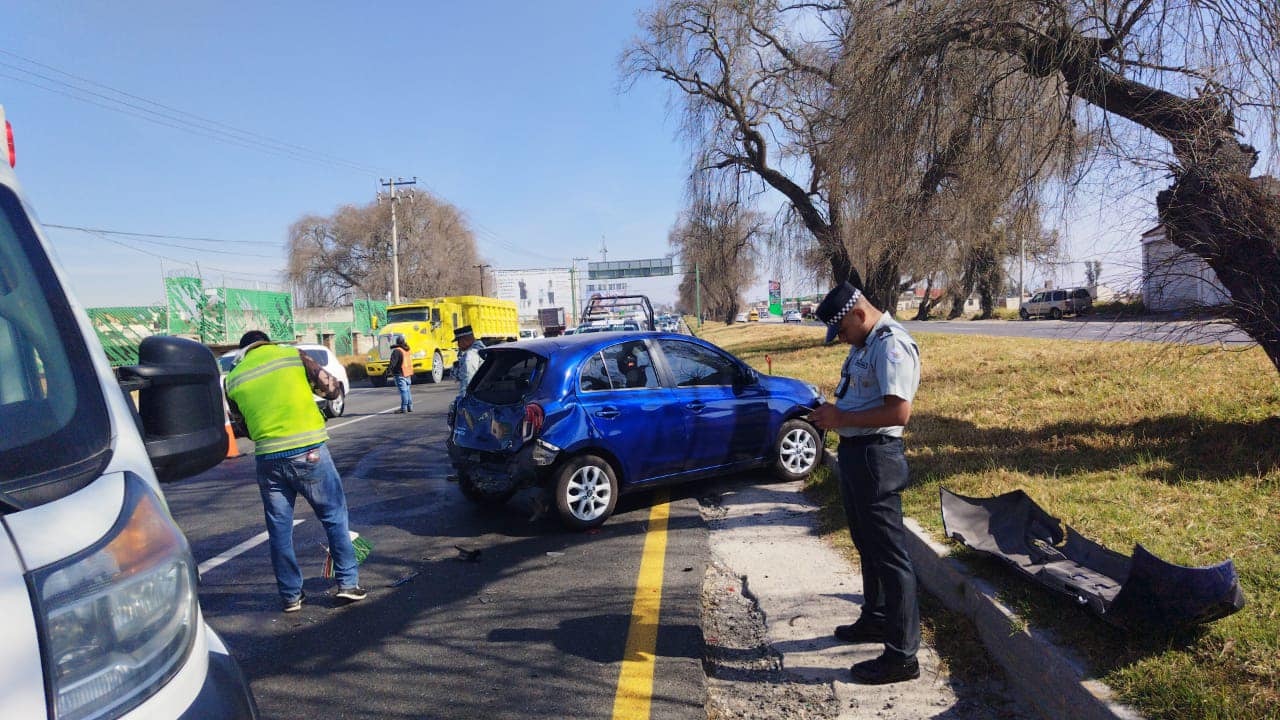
{"type": "Point", "coordinates": [335, 407]}
{"type": "Point", "coordinates": [798, 450]}
{"type": "Point", "coordinates": [586, 492]}
{"type": "Point", "coordinates": [378, 380]}
{"type": "Point", "coordinates": [1022, 313]}
{"type": "Point", "coordinates": [1055, 314]}
{"type": "Point", "coordinates": [437, 369]}
{"type": "Point", "coordinates": [486, 497]}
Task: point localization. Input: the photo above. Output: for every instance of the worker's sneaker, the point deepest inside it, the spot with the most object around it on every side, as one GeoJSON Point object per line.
{"type": "Point", "coordinates": [295, 604]}
{"type": "Point", "coordinates": [883, 670]}
{"type": "Point", "coordinates": [353, 594]}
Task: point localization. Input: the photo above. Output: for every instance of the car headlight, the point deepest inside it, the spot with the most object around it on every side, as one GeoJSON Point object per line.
{"type": "Point", "coordinates": [419, 354]}
{"type": "Point", "coordinates": [118, 619]}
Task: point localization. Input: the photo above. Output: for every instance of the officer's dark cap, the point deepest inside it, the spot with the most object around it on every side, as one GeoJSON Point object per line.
{"type": "Point", "coordinates": [462, 332]}
{"type": "Point", "coordinates": [836, 305]}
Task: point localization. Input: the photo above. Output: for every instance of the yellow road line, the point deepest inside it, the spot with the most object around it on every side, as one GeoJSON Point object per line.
{"type": "Point", "coordinates": [635, 682]}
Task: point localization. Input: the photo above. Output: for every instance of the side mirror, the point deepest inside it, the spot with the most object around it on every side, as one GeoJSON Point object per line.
{"type": "Point", "coordinates": [180, 405]}
{"type": "Point", "coordinates": [747, 377]}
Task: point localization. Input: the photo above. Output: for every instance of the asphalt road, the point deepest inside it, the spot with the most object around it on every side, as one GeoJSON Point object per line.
{"type": "Point", "coordinates": [1090, 328]}
{"type": "Point", "coordinates": [536, 628]}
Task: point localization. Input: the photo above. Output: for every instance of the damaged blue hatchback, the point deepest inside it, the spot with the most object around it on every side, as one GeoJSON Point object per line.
{"type": "Point", "coordinates": [592, 416]}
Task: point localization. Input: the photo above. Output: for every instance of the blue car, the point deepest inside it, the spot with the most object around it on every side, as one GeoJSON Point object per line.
{"type": "Point", "coordinates": [592, 416]}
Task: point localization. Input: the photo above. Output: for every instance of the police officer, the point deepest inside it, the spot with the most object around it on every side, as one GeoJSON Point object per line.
{"type": "Point", "coordinates": [468, 357]}
{"type": "Point", "coordinates": [271, 388]}
{"type": "Point", "coordinates": [873, 403]}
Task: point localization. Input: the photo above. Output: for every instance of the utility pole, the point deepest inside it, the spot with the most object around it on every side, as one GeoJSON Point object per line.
{"type": "Point", "coordinates": [573, 289]}
{"type": "Point", "coordinates": [481, 268]}
{"type": "Point", "coordinates": [1022, 256]}
{"type": "Point", "coordinates": [604, 250]}
{"type": "Point", "coordinates": [395, 237]}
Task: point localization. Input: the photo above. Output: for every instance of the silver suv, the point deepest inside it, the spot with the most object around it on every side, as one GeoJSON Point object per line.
{"type": "Point", "coordinates": [1056, 303]}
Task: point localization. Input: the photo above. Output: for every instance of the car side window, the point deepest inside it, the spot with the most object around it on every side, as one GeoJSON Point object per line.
{"type": "Point", "coordinates": [593, 376]}
{"type": "Point", "coordinates": [1081, 294]}
{"type": "Point", "coordinates": [1038, 298]}
{"type": "Point", "coordinates": [693, 365]}
{"type": "Point", "coordinates": [629, 365]}
{"type": "Point", "coordinates": [1059, 294]}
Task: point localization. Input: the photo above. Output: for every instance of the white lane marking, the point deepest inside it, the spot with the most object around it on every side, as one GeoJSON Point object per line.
{"type": "Point", "coordinates": [363, 417]}
{"type": "Point", "coordinates": [240, 549]}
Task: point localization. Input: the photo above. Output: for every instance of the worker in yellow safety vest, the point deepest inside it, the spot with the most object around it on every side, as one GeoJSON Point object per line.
{"type": "Point", "coordinates": [272, 388]}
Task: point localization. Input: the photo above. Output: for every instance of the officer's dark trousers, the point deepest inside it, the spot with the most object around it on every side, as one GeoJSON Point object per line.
{"type": "Point", "coordinates": [873, 473]}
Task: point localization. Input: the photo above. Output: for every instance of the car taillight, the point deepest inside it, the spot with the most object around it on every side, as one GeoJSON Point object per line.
{"type": "Point", "coordinates": [532, 423]}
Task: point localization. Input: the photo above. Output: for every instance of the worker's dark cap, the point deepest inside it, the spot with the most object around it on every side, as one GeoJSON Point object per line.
{"type": "Point", "coordinates": [836, 305]}
{"type": "Point", "coordinates": [251, 337]}
{"type": "Point", "coordinates": [462, 332]}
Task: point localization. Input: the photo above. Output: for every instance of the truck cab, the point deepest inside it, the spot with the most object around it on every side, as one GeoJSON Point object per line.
{"type": "Point", "coordinates": [427, 325]}
{"type": "Point", "coordinates": [97, 582]}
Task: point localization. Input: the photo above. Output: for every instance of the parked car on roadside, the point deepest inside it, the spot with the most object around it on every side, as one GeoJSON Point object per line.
{"type": "Point", "coordinates": [792, 316]}
{"type": "Point", "coordinates": [741, 317]}
{"type": "Point", "coordinates": [1056, 303]}
{"type": "Point", "coordinates": [324, 357]}
{"type": "Point", "coordinates": [590, 417]}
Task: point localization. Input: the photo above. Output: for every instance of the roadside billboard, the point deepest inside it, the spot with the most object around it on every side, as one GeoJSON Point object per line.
{"type": "Point", "coordinates": [533, 290]}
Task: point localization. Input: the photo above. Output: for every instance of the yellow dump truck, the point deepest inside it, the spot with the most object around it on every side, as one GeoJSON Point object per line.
{"type": "Point", "coordinates": [427, 325]}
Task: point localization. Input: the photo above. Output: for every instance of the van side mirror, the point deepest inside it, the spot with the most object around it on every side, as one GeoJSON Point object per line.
{"type": "Point", "coordinates": [180, 405]}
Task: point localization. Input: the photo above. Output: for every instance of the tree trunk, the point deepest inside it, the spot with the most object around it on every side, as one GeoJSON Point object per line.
{"type": "Point", "coordinates": [1233, 223]}
{"type": "Point", "coordinates": [926, 303]}
{"type": "Point", "coordinates": [883, 280]}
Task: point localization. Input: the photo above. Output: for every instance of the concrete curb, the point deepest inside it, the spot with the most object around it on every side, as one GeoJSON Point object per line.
{"type": "Point", "coordinates": [1046, 675]}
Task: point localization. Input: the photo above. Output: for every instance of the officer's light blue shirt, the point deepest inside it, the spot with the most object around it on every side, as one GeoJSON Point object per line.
{"type": "Point", "coordinates": [888, 364]}
{"type": "Point", "coordinates": [467, 365]}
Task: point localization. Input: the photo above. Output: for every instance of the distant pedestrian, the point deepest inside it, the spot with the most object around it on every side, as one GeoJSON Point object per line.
{"type": "Point", "coordinates": [873, 404]}
{"type": "Point", "coordinates": [272, 390]}
{"type": "Point", "coordinates": [469, 359]}
{"type": "Point", "coordinates": [401, 369]}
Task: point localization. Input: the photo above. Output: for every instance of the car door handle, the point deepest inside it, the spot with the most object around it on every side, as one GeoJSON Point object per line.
{"type": "Point", "coordinates": [607, 413]}
{"type": "Point", "coordinates": [696, 405]}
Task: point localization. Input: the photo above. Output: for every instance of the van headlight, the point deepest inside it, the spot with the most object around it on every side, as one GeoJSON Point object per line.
{"type": "Point", "coordinates": [118, 619]}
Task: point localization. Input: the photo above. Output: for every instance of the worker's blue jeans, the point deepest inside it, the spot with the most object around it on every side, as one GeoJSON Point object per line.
{"type": "Point", "coordinates": [402, 384]}
{"type": "Point", "coordinates": [312, 475]}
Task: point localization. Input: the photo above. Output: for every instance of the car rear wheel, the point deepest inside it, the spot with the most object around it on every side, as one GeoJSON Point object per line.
{"type": "Point", "coordinates": [586, 492]}
{"type": "Point", "coordinates": [335, 407]}
{"type": "Point", "coordinates": [378, 380]}
{"type": "Point", "coordinates": [1055, 314]}
{"type": "Point", "coordinates": [437, 369]}
{"type": "Point", "coordinates": [798, 451]}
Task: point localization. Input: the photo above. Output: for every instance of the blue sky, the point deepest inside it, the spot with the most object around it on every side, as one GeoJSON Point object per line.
{"type": "Point", "coordinates": [509, 110]}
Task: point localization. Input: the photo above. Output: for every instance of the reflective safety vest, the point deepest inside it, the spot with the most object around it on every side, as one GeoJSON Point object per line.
{"type": "Point", "coordinates": [270, 387]}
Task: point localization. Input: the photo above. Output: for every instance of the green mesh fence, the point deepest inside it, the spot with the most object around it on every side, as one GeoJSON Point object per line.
{"type": "Point", "coordinates": [120, 329]}
{"type": "Point", "coordinates": [245, 310]}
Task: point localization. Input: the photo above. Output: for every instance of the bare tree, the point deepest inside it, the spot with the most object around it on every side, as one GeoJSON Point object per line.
{"type": "Point", "coordinates": [1191, 77]}
{"type": "Point", "coordinates": [718, 237]}
{"type": "Point", "coordinates": [335, 259]}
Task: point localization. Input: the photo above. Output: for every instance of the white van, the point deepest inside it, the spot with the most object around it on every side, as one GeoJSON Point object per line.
{"type": "Point", "coordinates": [97, 583]}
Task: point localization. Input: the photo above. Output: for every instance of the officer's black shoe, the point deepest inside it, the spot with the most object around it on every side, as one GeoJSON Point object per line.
{"type": "Point", "coordinates": [882, 671]}
{"type": "Point", "coordinates": [862, 631]}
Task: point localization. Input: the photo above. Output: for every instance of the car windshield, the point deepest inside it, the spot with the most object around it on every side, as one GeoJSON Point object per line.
{"type": "Point", "coordinates": [320, 356]}
{"type": "Point", "coordinates": [408, 315]}
{"type": "Point", "coordinates": [507, 376]}
{"type": "Point", "coordinates": [56, 428]}
{"type": "Point", "coordinates": [227, 362]}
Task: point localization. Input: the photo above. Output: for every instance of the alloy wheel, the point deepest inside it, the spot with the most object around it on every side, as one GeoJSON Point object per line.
{"type": "Point", "coordinates": [799, 451]}
{"type": "Point", "coordinates": [587, 493]}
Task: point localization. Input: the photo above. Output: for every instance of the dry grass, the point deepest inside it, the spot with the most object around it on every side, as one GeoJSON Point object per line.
{"type": "Point", "coordinates": [1174, 447]}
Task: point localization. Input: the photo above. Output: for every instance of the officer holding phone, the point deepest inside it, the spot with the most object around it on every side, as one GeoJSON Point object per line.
{"type": "Point", "coordinates": [873, 404]}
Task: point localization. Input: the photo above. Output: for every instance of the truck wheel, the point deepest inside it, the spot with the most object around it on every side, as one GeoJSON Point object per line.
{"type": "Point", "coordinates": [437, 369]}
{"type": "Point", "coordinates": [485, 497]}
{"type": "Point", "coordinates": [378, 380]}
{"type": "Point", "coordinates": [586, 492]}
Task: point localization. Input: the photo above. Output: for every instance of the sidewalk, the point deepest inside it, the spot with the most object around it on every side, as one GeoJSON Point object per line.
{"type": "Point", "coordinates": [765, 534]}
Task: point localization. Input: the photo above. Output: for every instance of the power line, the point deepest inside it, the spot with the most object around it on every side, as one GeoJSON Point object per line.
{"type": "Point", "coordinates": [144, 239]}
{"type": "Point", "coordinates": [172, 117]}
{"type": "Point", "coordinates": [159, 236]}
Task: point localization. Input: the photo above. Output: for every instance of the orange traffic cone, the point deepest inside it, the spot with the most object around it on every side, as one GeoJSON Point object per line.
{"type": "Point", "coordinates": [232, 449]}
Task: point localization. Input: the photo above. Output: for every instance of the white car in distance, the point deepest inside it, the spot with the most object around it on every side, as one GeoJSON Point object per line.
{"type": "Point", "coordinates": [324, 357]}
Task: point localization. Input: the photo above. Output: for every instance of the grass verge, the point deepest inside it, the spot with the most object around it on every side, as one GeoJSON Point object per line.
{"type": "Point", "coordinates": [1174, 447]}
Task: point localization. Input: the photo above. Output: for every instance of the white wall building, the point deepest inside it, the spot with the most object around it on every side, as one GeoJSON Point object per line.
{"type": "Point", "coordinates": [1174, 279]}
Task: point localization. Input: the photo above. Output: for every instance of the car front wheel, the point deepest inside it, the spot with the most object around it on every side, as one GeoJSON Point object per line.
{"type": "Point", "coordinates": [799, 450]}
{"type": "Point", "coordinates": [586, 492]}
{"type": "Point", "coordinates": [1055, 314]}
{"type": "Point", "coordinates": [1022, 313]}
{"type": "Point", "coordinates": [335, 407]}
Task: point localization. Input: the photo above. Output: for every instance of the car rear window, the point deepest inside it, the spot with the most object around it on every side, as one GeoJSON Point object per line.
{"type": "Point", "coordinates": [320, 356]}
{"type": "Point", "coordinates": [507, 376]}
